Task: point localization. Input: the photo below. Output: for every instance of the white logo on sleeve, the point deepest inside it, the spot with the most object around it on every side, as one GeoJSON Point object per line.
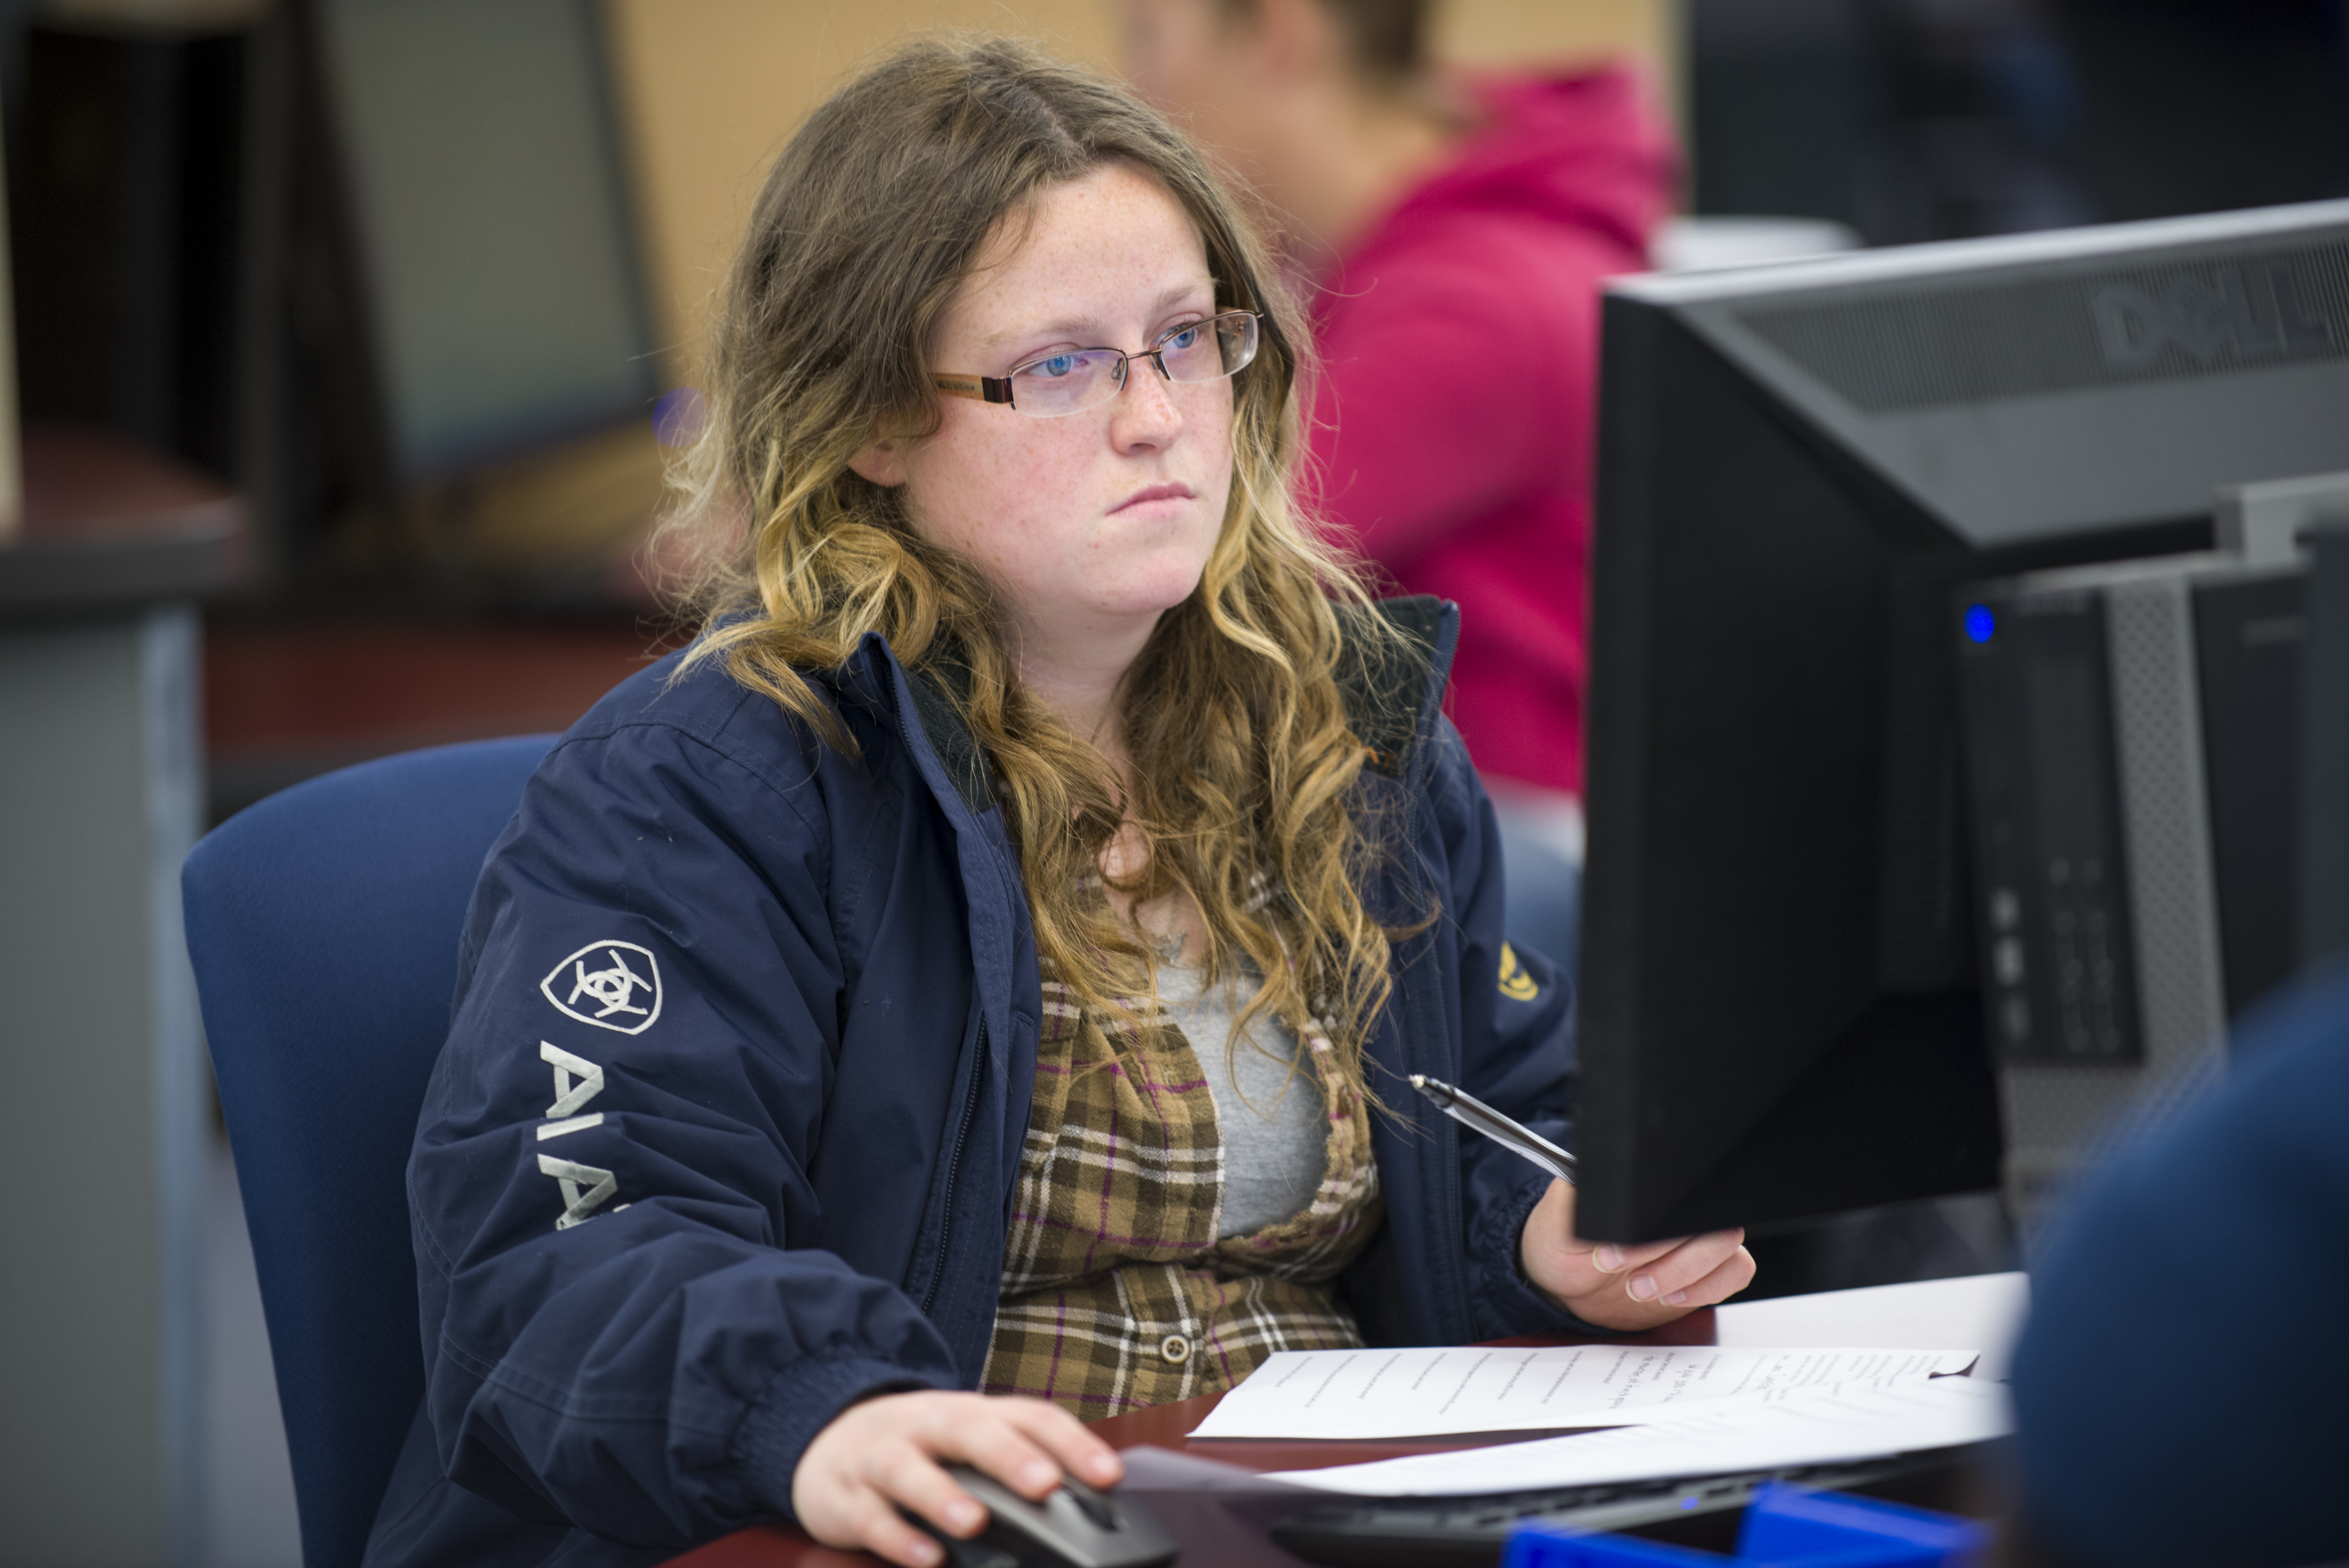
{"type": "Point", "coordinates": [577, 1080]}
{"type": "Point", "coordinates": [585, 1189]}
{"type": "Point", "coordinates": [611, 984]}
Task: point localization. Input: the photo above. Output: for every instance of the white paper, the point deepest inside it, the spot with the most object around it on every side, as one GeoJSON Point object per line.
{"type": "Point", "coordinates": [1343, 1394]}
{"type": "Point", "coordinates": [1987, 1310]}
{"type": "Point", "coordinates": [1818, 1425]}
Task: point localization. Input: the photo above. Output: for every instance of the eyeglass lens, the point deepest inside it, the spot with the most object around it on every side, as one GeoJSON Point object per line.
{"type": "Point", "coordinates": [1067, 383]}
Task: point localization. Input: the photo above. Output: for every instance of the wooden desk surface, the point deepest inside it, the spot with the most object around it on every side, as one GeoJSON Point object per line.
{"type": "Point", "coordinates": [1984, 1311]}
{"type": "Point", "coordinates": [109, 524]}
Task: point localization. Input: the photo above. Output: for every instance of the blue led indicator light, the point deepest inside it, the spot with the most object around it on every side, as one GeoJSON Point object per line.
{"type": "Point", "coordinates": [1980, 623]}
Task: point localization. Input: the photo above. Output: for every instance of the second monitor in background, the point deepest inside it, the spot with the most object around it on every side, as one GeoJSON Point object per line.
{"type": "Point", "coordinates": [1799, 467]}
{"type": "Point", "coordinates": [484, 189]}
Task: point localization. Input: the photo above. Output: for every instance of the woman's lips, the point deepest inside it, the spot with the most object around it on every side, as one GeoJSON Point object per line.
{"type": "Point", "coordinates": [1157, 492]}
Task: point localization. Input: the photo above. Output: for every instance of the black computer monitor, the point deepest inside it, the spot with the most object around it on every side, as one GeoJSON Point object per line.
{"type": "Point", "coordinates": [482, 185]}
{"type": "Point", "coordinates": [1798, 464]}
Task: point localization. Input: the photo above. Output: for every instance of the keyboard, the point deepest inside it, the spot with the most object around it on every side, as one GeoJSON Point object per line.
{"type": "Point", "coordinates": [1469, 1531]}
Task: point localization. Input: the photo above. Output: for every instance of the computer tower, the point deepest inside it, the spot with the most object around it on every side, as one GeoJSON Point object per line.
{"type": "Point", "coordinates": [2133, 747]}
{"type": "Point", "coordinates": [2323, 860]}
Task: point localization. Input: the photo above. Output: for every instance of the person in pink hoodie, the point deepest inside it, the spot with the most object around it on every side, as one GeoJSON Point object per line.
{"type": "Point", "coordinates": [1455, 230]}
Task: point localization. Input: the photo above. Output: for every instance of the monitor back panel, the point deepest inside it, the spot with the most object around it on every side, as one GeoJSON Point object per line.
{"type": "Point", "coordinates": [1799, 465]}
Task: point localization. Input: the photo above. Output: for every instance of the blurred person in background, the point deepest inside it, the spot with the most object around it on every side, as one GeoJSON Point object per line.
{"type": "Point", "coordinates": [1452, 231]}
{"type": "Point", "coordinates": [2153, 1430]}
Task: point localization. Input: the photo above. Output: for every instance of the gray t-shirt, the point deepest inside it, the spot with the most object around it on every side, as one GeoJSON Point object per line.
{"type": "Point", "coordinates": [1275, 1127]}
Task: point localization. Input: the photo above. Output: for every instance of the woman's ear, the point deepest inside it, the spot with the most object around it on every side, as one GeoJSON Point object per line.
{"type": "Point", "coordinates": [881, 463]}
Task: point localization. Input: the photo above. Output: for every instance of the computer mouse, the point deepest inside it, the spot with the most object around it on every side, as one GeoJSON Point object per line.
{"type": "Point", "coordinates": [1073, 1527]}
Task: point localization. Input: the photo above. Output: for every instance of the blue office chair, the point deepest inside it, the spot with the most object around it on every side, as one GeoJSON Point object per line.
{"type": "Point", "coordinates": [324, 924]}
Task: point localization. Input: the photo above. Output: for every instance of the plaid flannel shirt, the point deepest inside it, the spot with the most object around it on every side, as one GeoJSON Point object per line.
{"type": "Point", "coordinates": [1117, 1292]}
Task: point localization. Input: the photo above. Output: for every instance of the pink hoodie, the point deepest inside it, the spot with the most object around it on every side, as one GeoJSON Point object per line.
{"type": "Point", "coordinates": [1454, 417]}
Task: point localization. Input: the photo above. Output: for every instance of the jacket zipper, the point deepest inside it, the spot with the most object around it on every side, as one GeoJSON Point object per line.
{"type": "Point", "coordinates": [1455, 1253]}
{"type": "Point", "coordinates": [954, 1171]}
{"type": "Point", "coordinates": [969, 1107]}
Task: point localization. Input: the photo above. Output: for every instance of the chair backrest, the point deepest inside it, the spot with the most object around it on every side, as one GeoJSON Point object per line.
{"type": "Point", "coordinates": [324, 924]}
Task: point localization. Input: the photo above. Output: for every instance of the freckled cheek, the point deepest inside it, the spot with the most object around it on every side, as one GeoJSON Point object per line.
{"type": "Point", "coordinates": [969, 497]}
{"type": "Point", "coordinates": [1038, 497]}
{"type": "Point", "coordinates": [1020, 514]}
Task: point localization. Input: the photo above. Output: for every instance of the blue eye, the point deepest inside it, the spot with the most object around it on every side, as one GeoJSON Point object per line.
{"type": "Point", "coordinates": [1182, 338]}
{"type": "Point", "coordinates": [1059, 366]}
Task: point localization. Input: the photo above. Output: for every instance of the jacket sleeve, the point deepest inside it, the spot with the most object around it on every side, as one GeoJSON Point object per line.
{"type": "Point", "coordinates": [624, 1327]}
{"type": "Point", "coordinates": [1517, 1052]}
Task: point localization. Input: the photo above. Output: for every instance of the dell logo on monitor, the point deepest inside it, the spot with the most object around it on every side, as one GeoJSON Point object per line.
{"type": "Point", "coordinates": [2251, 313]}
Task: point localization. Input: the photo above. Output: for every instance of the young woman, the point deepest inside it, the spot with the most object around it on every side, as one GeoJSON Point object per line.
{"type": "Point", "coordinates": [971, 987]}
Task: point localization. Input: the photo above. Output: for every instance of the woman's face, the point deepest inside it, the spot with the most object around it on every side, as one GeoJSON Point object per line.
{"type": "Point", "coordinates": [1094, 523]}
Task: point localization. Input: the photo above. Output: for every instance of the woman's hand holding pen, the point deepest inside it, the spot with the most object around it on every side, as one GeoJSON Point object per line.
{"type": "Point", "coordinates": [1628, 1287]}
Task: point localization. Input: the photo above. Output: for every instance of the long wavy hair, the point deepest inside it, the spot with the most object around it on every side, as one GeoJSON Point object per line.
{"type": "Point", "coordinates": [1245, 765]}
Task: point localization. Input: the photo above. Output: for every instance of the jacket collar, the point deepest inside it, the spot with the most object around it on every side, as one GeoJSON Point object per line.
{"type": "Point", "coordinates": [941, 697]}
{"type": "Point", "coordinates": [1393, 691]}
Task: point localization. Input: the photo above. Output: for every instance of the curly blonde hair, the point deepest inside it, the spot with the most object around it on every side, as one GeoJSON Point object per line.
{"type": "Point", "coordinates": [1244, 765]}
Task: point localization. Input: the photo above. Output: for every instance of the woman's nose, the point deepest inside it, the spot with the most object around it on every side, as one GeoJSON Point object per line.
{"type": "Point", "coordinates": [1144, 414]}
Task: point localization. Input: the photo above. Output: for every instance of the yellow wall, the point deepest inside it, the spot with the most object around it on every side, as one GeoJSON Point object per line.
{"type": "Point", "coordinates": [1506, 30]}
{"type": "Point", "coordinates": [712, 88]}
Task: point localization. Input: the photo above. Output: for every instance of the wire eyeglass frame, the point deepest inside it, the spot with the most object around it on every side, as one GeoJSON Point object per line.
{"type": "Point", "coordinates": [1234, 332]}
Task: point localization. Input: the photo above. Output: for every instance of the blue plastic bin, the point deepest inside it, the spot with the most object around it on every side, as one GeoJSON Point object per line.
{"type": "Point", "coordinates": [1785, 1527]}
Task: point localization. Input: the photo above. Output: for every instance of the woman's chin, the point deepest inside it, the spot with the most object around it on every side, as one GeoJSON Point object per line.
{"type": "Point", "coordinates": [1143, 594]}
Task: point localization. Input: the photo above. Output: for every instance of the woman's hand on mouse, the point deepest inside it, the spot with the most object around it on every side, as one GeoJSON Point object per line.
{"type": "Point", "coordinates": [1628, 1287]}
{"type": "Point", "coordinates": [884, 1453]}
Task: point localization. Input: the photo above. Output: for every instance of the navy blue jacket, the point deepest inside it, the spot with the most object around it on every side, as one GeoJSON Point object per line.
{"type": "Point", "coordinates": [726, 1131]}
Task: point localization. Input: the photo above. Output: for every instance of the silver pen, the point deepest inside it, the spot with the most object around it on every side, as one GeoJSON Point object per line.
{"type": "Point", "coordinates": [1469, 1111]}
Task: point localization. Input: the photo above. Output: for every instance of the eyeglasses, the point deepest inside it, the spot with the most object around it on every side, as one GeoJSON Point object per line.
{"type": "Point", "coordinates": [1076, 379]}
